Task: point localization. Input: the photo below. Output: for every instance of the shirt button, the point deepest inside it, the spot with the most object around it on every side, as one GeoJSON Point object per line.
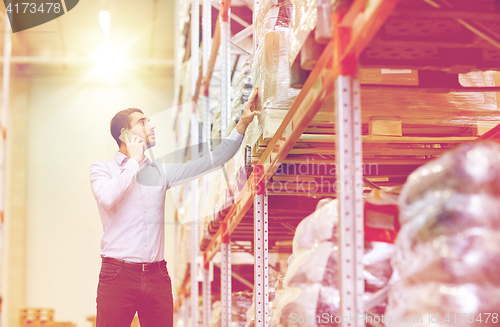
{"type": "Point", "coordinates": [144, 194]}
{"type": "Point", "coordinates": [144, 211]}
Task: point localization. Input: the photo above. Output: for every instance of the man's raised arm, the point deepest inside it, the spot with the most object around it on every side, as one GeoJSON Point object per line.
{"type": "Point", "coordinates": [183, 172]}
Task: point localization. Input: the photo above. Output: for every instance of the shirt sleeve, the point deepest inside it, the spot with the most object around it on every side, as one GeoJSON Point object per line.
{"type": "Point", "coordinates": [184, 172]}
{"type": "Point", "coordinates": [107, 189]}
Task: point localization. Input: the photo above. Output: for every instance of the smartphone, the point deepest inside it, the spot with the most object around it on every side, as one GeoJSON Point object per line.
{"type": "Point", "coordinates": [122, 136]}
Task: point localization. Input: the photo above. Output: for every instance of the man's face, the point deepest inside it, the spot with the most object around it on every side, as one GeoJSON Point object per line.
{"type": "Point", "coordinates": [141, 126]}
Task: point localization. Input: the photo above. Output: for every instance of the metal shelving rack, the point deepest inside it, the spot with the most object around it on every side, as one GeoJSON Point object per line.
{"type": "Point", "coordinates": [336, 66]}
{"type": "Point", "coordinates": [335, 71]}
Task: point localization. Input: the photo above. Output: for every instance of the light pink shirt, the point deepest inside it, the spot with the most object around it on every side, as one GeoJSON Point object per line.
{"type": "Point", "coordinates": [131, 199]}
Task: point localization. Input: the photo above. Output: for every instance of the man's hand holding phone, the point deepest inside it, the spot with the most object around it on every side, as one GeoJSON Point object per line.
{"type": "Point", "coordinates": [135, 146]}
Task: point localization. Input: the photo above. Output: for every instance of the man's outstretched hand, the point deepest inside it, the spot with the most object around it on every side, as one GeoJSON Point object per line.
{"type": "Point", "coordinates": [249, 112]}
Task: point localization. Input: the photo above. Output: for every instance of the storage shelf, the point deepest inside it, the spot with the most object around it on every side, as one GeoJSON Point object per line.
{"type": "Point", "coordinates": [308, 102]}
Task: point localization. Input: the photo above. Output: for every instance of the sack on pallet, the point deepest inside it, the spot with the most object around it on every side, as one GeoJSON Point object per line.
{"type": "Point", "coordinates": [312, 305]}
{"type": "Point", "coordinates": [310, 266]}
{"type": "Point", "coordinates": [298, 306]}
{"type": "Point", "coordinates": [470, 169]}
{"type": "Point", "coordinates": [303, 22]}
{"type": "Point", "coordinates": [328, 307]}
{"type": "Point", "coordinates": [242, 90]}
{"type": "Point", "coordinates": [275, 282]}
{"type": "Point", "coordinates": [216, 318]}
{"type": "Point", "coordinates": [216, 125]}
{"type": "Point", "coordinates": [448, 249]}
{"type": "Point", "coordinates": [438, 243]}
{"type": "Point", "coordinates": [313, 20]}
{"type": "Point", "coordinates": [440, 305]}
{"type": "Point", "coordinates": [317, 227]}
{"type": "Point", "coordinates": [271, 73]}
{"type": "Point", "coordinates": [377, 265]}
{"type": "Point", "coordinates": [314, 263]}
{"type": "Point", "coordinates": [240, 302]}
{"type": "Point", "coordinates": [320, 265]}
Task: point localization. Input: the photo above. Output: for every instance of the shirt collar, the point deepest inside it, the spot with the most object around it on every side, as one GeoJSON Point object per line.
{"type": "Point", "coordinates": [121, 158]}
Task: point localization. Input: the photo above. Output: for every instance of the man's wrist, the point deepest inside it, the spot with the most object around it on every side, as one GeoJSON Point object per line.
{"type": "Point", "coordinates": [241, 127]}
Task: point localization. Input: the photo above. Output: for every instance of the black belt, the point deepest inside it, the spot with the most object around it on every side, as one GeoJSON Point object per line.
{"type": "Point", "coordinates": [134, 265]}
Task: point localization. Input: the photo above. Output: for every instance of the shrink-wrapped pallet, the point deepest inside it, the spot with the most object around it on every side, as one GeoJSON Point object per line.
{"type": "Point", "coordinates": [228, 188]}
{"type": "Point", "coordinates": [312, 25]}
{"type": "Point", "coordinates": [271, 73]}
{"type": "Point", "coordinates": [317, 227]}
{"type": "Point", "coordinates": [240, 302]}
{"type": "Point", "coordinates": [303, 22]}
{"type": "Point", "coordinates": [216, 126]}
{"type": "Point", "coordinates": [460, 111]}
{"type": "Point", "coordinates": [241, 92]}
{"type": "Point", "coordinates": [377, 265]}
{"type": "Point", "coordinates": [311, 294]}
{"type": "Point", "coordinates": [448, 249]}
{"type": "Point", "coordinates": [275, 282]}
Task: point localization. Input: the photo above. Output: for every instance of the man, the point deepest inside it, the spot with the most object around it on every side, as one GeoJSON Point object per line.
{"type": "Point", "coordinates": [130, 193]}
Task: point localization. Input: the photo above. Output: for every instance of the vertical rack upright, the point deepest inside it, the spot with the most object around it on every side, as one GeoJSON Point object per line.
{"type": "Point", "coordinates": [225, 50]}
{"type": "Point", "coordinates": [195, 45]}
{"type": "Point", "coordinates": [207, 45]}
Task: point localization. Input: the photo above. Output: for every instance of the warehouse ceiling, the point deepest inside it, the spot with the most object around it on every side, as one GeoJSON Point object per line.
{"type": "Point", "coordinates": [143, 29]}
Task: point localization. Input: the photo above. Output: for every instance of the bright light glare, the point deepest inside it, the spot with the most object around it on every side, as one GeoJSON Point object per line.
{"type": "Point", "coordinates": [110, 61]}
{"type": "Point", "coordinates": [104, 20]}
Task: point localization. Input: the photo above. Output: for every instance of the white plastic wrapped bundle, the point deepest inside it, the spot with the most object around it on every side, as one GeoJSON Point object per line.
{"type": "Point", "coordinates": [275, 284]}
{"type": "Point", "coordinates": [308, 305]}
{"type": "Point", "coordinates": [448, 249]}
{"type": "Point", "coordinates": [317, 227]}
{"type": "Point", "coordinates": [319, 265]}
{"type": "Point", "coordinates": [271, 73]}
{"type": "Point", "coordinates": [279, 291]}
{"type": "Point", "coordinates": [304, 20]}
{"type": "Point", "coordinates": [311, 281]}
{"type": "Point", "coordinates": [470, 169]}
{"type": "Point", "coordinates": [216, 318]}
{"type": "Point", "coordinates": [310, 266]}
{"type": "Point", "coordinates": [241, 92]}
{"type": "Point", "coordinates": [298, 302]}
{"type": "Point", "coordinates": [328, 306]}
{"type": "Point", "coordinates": [307, 14]}
{"type": "Point", "coordinates": [240, 302]}
{"type": "Point", "coordinates": [457, 239]}
{"type": "Point", "coordinates": [216, 125]}
{"type": "Point", "coordinates": [243, 89]}
{"type": "Point", "coordinates": [377, 262]}
{"type": "Point", "coordinates": [440, 305]}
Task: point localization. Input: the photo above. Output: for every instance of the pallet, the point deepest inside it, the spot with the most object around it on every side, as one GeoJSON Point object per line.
{"type": "Point", "coordinates": [442, 35]}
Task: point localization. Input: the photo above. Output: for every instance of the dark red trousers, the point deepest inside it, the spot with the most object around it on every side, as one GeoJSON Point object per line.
{"type": "Point", "coordinates": [125, 289]}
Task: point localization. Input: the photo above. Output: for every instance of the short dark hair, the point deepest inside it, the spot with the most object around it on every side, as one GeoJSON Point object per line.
{"type": "Point", "coordinates": [121, 120]}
